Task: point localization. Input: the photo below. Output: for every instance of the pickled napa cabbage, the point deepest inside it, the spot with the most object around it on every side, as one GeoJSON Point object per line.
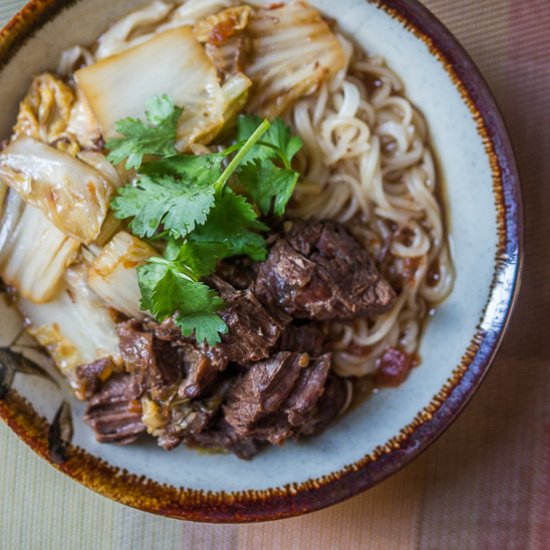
{"type": "Point", "coordinates": [225, 40]}
{"type": "Point", "coordinates": [294, 51]}
{"type": "Point", "coordinates": [72, 194]}
{"type": "Point", "coordinates": [220, 27]}
{"type": "Point", "coordinates": [83, 125]}
{"type": "Point", "coordinates": [76, 327]}
{"type": "Point", "coordinates": [192, 11]}
{"type": "Point", "coordinates": [113, 274]}
{"type": "Point", "coordinates": [172, 63]}
{"type": "Point", "coordinates": [33, 253]}
{"type": "Point", "coordinates": [45, 113]}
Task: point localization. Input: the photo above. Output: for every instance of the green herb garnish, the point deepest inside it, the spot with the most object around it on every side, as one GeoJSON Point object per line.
{"type": "Point", "coordinates": [171, 285]}
{"type": "Point", "coordinates": [157, 136]}
{"type": "Point", "coordinates": [187, 200]}
{"type": "Point", "coordinates": [267, 183]}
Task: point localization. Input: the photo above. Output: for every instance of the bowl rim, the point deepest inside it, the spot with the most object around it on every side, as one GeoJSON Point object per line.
{"type": "Point", "coordinates": [430, 423]}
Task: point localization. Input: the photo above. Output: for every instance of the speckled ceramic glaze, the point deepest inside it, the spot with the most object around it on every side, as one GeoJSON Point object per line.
{"type": "Point", "coordinates": [391, 428]}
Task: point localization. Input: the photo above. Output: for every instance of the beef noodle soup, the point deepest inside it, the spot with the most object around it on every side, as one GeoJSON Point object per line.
{"type": "Point", "coordinates": [222, 221]}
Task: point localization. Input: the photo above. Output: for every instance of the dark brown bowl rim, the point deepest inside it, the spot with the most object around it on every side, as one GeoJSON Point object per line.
{"type": "Point", "coordinates": [430, 423]}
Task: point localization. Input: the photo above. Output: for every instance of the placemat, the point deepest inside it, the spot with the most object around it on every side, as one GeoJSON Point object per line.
{"type": "Point", "coordinates": [484, 485]}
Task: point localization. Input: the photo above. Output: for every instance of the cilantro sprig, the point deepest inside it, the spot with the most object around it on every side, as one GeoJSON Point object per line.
{"type": "Point", "coordinates": [190, 202]}
{"type": "Point", "coordinates": [268, 184]}
{"type": "Point", "coordinates": [157, 136]}
{"type": "Point", "coordinates": [171, 285]}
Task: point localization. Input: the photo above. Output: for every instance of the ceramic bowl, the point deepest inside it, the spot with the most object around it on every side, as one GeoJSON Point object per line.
{"type": "Point", "coordinates": [388, 430]}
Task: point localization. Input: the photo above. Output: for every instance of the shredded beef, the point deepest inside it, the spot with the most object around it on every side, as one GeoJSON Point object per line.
{"type": "Point", "coordinates": [318, 271]}
{"type": "Point", "coordinates": [114, 412]}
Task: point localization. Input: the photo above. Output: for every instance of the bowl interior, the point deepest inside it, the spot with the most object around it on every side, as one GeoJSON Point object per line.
{"type": "Point", "coordinates": [472, 224]}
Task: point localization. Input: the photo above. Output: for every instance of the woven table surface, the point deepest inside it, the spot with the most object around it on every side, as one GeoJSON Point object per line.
{"type": "Point", "coordinates": [485, 484]}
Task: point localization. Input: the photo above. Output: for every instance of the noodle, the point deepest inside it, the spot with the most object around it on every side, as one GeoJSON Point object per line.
{"type": "Point", "coordinates": [366, 162]}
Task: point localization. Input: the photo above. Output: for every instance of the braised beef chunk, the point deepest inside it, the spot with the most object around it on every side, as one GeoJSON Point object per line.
{"type": "Point", "coordinates": [330, 405]}
{"type": "Point", "coordinates": [115, 412]}
{"type": "Point", "coordinates": [238, 272]}
{"type": "Point", "coordinates": [263, 389]}
{"type": "Point", "coordinates": [167, 331]}
{"type": "Point", "coordinates": [91, 377]}
{"type": "Point", "coordinates": [187, 419]}
{"type": "Point", "coordinates": [154, 363]}
{"type": "Point", "coordinates": [307, 391]}
{"type": "Point", "coordinates": [317, 270]}
{"type": "Point", "coordinates": [252, 330]}
{"type": "Point", "coordinates": [275, 397]}
{"type": "Point", "coordinates": [221, 436]}
{"type": "Point", "coordinates": [175, 420]}
{"type": "Point", "coordinates": [173, 368]}
{"type": "Point", "coordinates": [285, 423]}
{"type": "Point", "coordinates": [176, 360]}
{"type": "Point", "coordinates": [305, 337]}
{"type": "Point", "coordinates": [202, 367]}
{"type": "Point", "coordinates": [274, 429]}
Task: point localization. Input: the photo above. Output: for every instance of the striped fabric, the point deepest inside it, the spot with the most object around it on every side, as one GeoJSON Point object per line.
{"type": "Point", "coordinates": [484, 485]}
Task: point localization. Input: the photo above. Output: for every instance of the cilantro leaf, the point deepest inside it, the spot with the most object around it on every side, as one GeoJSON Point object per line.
{"type": "Point", "coordinates": [268, 185]}
{"type": "Point", "coordinates": [149, 276]}
{"type": "Point", "coordinates": [156, 200]}
{"type": "Point", "coordinates": [266, 171]}
{"type": "Point", "coordinates": [167, 289]}
{"type": "Point", "coordinates": [205, 326]}
{"type": "Point", "coordinates": [179, 192]}
{"type": "Point", "coordinates": [277, 143]}
{"type": "Point", "coordinates": [246, 124]}
{"type": "Point", "coordinates": [233, 223]}
{"type": "Point", "coordinates": [160, 109]}
{"type": "Point", "coordinates": [200, 257]}
{"type": "Point", "coordinates": [157, 136]}
{"type": "Point", "coordinates": [202, 169]}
